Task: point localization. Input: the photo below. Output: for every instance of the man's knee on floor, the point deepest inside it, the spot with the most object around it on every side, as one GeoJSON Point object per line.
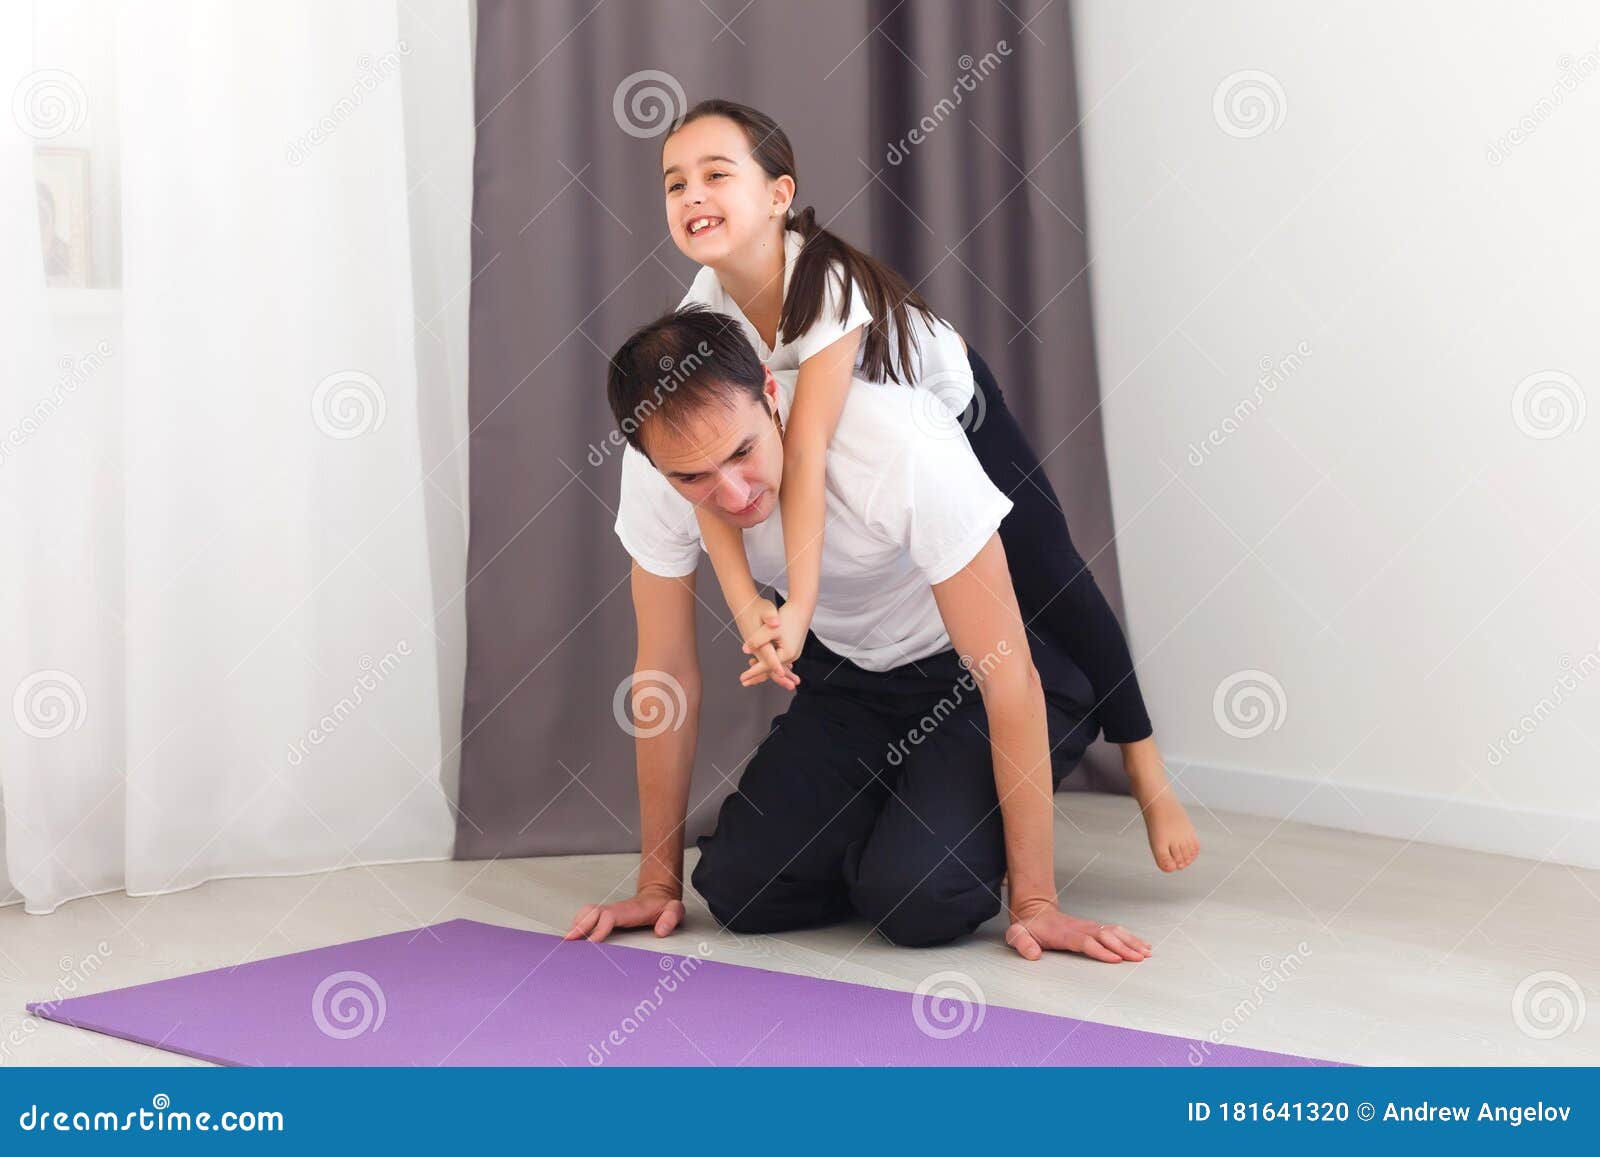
{"type": "Point", "coordinates": [718, 888]}
{"type": "Point", "coordinates": [916, 913]}
{"type": "Point", "coordinates": [735, 896]}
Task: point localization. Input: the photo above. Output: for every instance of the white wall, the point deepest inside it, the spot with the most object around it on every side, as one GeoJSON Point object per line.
{"type": "Point", "coordinates": [1312, 330]}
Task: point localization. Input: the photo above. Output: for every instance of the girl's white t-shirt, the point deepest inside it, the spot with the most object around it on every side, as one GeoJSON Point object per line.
{"type": "Point", "coordinates": [939, 359]}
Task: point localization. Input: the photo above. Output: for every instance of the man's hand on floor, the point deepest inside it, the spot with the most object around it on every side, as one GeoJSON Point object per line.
{"type": "Point", "coordinates": [650, 907]}
{"type": "Point", "coordinates": [1048, 927]}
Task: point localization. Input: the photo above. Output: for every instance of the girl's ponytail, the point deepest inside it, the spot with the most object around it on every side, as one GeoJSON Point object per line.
{"type": "Point", "coordinates": [890, 298]}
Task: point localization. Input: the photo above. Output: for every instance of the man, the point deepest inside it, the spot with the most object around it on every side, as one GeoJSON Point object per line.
{"type": "Point", "coordinates": [916, 762]}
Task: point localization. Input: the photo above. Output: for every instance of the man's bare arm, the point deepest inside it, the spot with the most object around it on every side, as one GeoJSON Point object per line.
{"type": "Point", "coordinates": [666, 710]}
{"type": "Point", "coordinates": [666, 660]}
{"type": "Point", "coordinates": [979, 608]}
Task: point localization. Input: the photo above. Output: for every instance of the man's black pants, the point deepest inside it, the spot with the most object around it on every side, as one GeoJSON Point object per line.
{"type": "Point", "coordinates": [874, 795]}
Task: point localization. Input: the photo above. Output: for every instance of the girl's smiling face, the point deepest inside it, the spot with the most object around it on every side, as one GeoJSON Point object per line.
{"type": "Point", "coordinates": [718, 197]}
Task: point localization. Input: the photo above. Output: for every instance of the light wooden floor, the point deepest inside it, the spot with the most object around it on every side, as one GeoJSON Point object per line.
{"type": "Point", "coordinates": [1413, 954]}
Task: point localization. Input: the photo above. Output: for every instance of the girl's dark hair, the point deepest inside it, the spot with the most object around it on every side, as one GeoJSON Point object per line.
{"type": "Point", "coordinates": [889, 296]}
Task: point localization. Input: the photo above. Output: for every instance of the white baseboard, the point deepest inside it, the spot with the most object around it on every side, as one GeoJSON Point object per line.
{"type": "Point", "coordinates": [1425, 817]}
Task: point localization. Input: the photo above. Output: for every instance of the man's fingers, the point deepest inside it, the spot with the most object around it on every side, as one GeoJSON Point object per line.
{"type": "Point", "coordinates": [1118, 944]}
{"type": "Point", "coordinates": [583, 921]}
{"type": "Point", "coordinates": [1022, 940]}
{"type": "Point", "coordinates": [1130, 938]}
{"type": "Point", "coordinates": [670, 917]}
{"type": "Point", "coordinates": [603, 928]}
{"type": "Point", "coordinates": [1126, 937]}
{"type": "Point", "coordinates": [1093, 947]}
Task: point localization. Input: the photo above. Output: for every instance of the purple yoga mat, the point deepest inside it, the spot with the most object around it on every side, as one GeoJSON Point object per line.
{"type": "Point", "coordinates": [466, 993]}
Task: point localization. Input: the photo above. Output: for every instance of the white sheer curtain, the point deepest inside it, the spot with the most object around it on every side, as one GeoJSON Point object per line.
{"type": "Point", "coordinates": [232, 422]}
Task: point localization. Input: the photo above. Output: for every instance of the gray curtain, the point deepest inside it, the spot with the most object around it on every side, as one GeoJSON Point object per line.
{"type": "Point", "coordinates": [571, 252]}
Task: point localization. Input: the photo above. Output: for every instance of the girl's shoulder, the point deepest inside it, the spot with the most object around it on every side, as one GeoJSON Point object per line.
{"type": "Point", "coordinates": [705, 289]}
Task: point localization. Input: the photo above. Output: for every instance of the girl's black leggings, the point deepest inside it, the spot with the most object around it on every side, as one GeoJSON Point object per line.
{"type": "Point", "coordinates": [1056, 591]}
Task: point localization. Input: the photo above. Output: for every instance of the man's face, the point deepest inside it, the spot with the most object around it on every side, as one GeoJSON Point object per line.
{"type": "Point", "coordinates": [727, 460]}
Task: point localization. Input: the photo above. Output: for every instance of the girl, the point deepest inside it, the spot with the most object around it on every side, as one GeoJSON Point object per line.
{"type": "Point", "coordinates": [809, 302]}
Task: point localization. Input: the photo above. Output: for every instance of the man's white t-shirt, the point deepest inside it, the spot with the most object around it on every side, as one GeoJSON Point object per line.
{"type": "Point", "coordinates": [939, 359]}
{"type": "Point", "coordinates": [907, 505]}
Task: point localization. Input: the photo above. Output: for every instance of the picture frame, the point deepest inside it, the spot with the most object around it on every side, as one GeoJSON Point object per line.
{"type": "Point", "coordinates": [61, 179]}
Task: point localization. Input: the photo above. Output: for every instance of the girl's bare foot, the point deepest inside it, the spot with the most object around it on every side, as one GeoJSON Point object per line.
{"type": "Point", "coordinates": [1173, 841]}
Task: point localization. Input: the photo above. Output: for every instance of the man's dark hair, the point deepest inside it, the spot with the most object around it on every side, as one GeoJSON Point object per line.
{"type": "Point", "coordinates": [677, 364]}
